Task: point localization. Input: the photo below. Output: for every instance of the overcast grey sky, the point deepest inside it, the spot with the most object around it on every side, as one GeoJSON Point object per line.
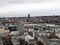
{"type": "Point", "coordinates": [34, 7]}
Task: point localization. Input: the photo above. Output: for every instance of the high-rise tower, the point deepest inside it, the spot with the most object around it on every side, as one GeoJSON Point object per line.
{"type": "Point", "coordinates": [28, 18]}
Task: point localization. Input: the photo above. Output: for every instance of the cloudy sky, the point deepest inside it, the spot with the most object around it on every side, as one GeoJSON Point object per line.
{"type": "Point", "coordinates": [11, 8]}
